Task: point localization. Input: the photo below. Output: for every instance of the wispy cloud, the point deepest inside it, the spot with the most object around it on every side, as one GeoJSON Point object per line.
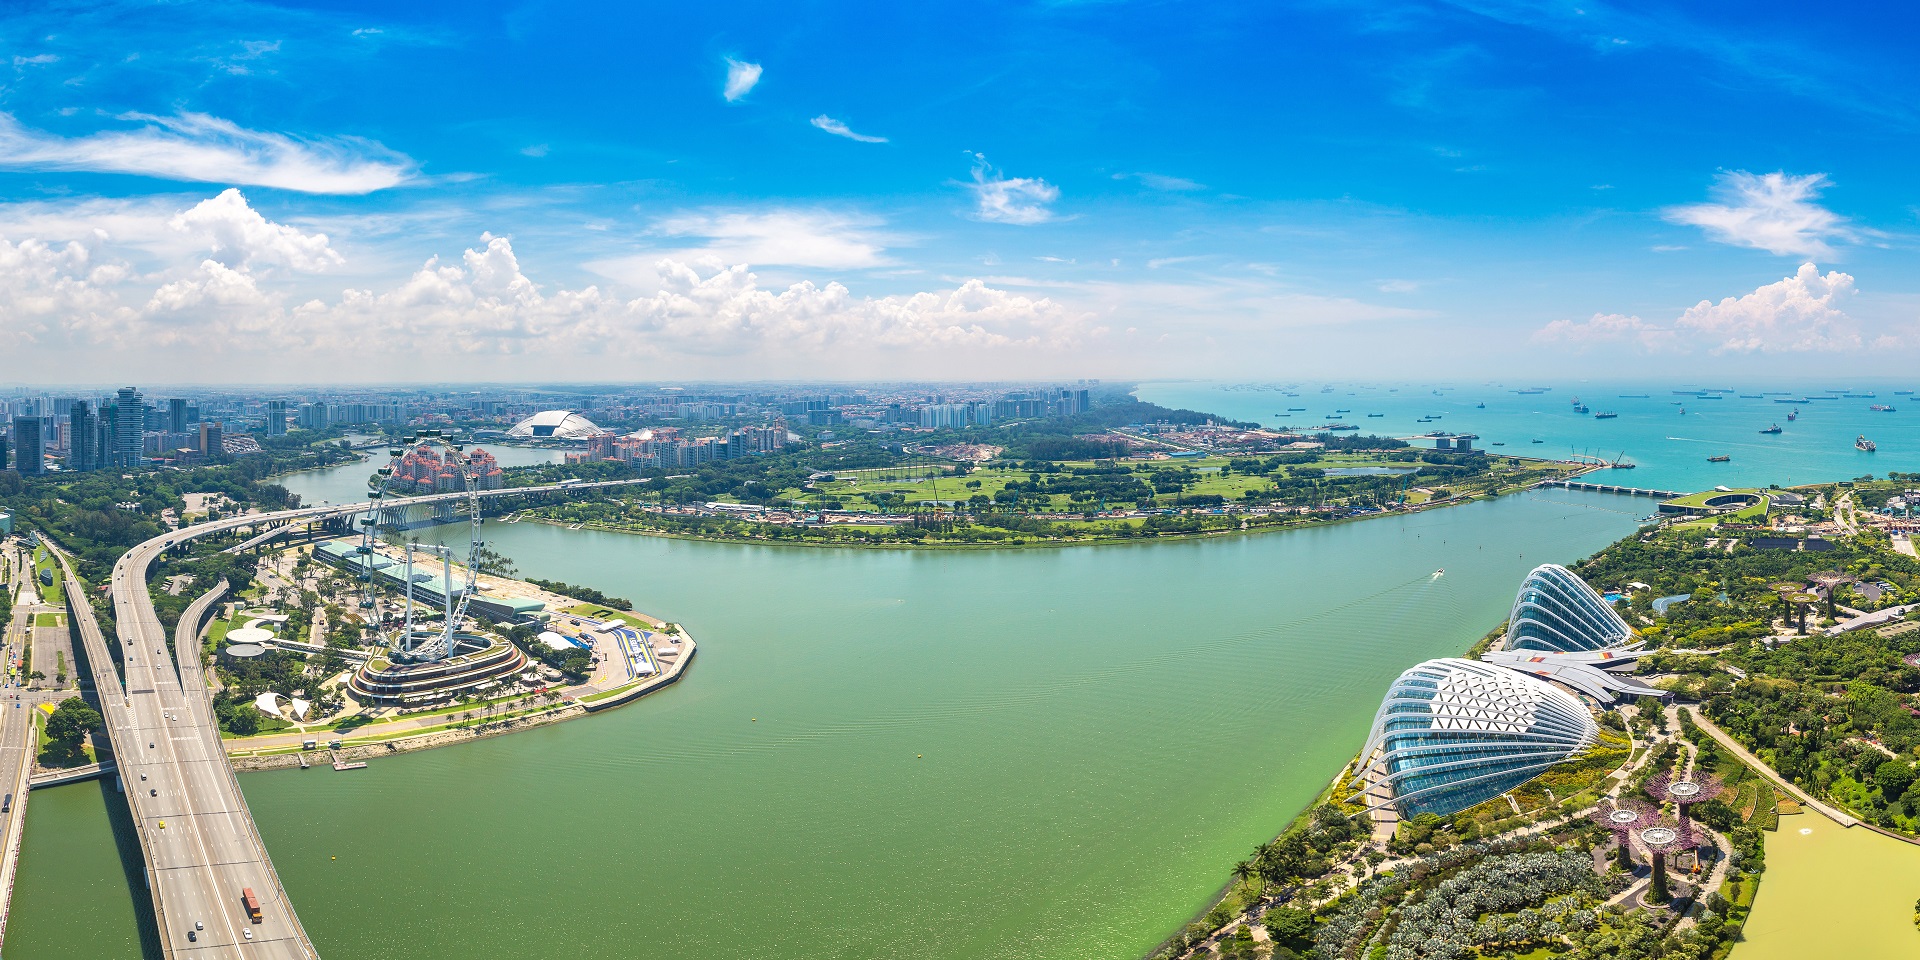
{"type": "Point", "coordinates": [839, 129]}
{"type": "Point", "coordinates": [823, 239]}
{"type": "Point", "coordinates": [240, 62]}
{"type": "Point", "coordinates": [741, 79]}
{"type": "Point", "coordinates": [198, 147]}
{"type": "Point", "coordinates": [1774, 212]}
{"type": "Point", "coordinates": [35, 60]}
{"type": "Point", "coordinates": [1605, 328]}
{"type": "Point", "coordinates": [534, 150]}
{"type": "Point", "coordinates": [1017, 200]}
{"type": "Point", "coordinates": [813, 238]}
{"type": "Point", "coordinates": [1159, 181]}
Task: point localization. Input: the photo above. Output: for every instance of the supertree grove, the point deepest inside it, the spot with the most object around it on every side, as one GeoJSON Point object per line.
{"type": "Point", "coordinates": [1684, 792]}
{"type": "Point", "coordinates": [1623, 819]}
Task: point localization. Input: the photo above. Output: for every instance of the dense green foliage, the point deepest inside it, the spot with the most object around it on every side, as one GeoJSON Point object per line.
{"type": "Point", "coordinates": [587, 594]}
{"type": "Point", "coordinates": [71, 720]}
{"type": "Point", "coordinates": [574, 663]}
{"type": "Point", "coordinates": [1824, 711]}
{"type": "Point", "coordinates": [97, 515]}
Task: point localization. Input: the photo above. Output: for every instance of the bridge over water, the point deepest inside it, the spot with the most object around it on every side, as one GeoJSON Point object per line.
{"type": "Point", "coordinates": [198, 841]}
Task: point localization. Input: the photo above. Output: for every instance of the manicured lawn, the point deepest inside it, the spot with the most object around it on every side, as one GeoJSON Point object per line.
{"type": "Point", "coordinates": [598, 612]}
{"type": "Point", "coordinates": [55, 594]}
{"type": "Point", "coordinates": [47, 619]}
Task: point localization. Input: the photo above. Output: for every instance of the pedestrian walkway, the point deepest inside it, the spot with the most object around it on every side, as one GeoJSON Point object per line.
{"type": "Point", "coordinates": [1837, 816]}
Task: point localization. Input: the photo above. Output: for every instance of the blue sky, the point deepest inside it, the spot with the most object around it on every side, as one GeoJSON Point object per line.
{"type": "Point", "coordinates": [243, 191]}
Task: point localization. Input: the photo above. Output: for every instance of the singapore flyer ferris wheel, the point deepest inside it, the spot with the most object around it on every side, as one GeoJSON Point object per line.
{"type": "Point", "coordinates": [407, 635]}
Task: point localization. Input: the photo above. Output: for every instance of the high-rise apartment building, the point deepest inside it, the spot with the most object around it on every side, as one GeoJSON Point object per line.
{"type": "Point", "coordinates": [30, 450]}
{"type": "Point", "coordinates": [313, 416]}
{"type": "Point", "coordinates": [176, 415]}
{"type": "Point", "coordinates": [212, 439]}
{"type": "Point", "coordinates": [276, 418]}
{"type": "Point", "coordinates": [83, 437]}
{"type": "Point", "coordinates": [130, 426]}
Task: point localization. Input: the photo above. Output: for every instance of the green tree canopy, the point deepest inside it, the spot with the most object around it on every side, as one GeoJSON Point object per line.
{"type": "Point", "coordinates": [71, 721]}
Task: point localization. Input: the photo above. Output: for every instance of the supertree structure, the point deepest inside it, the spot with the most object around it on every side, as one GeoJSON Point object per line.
{"type": "Point", "coordinates": [1625, 817]}
{"type": "Point", "coordinates": [1683, 792]}
{"type": "Point", "coordinates": [1660, 837]}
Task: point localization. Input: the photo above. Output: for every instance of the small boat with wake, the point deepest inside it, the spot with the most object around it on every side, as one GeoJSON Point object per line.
{"type": "Point", "coordinates": [1864, 445]}
{"type": "Point", "coordinates": [1773, 429]}
{"type": "Point", "coordinates": [1723, 458]}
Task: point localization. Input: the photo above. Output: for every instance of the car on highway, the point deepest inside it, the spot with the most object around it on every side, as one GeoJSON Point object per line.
{"type": "Point", "coordinates": [192, 937]}
{"type": "Point", "coordinates": [153, 792]}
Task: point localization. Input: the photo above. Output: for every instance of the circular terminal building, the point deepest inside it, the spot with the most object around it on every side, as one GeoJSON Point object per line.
{"type": "Point", "coordinates": [477, 662]}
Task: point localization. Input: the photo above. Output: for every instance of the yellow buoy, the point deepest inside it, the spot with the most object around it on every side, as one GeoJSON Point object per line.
{"type": "Point", "coordinates": [916, 756]}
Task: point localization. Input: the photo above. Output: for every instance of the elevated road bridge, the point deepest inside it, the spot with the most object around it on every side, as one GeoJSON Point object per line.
{"type": "Point", "coordinates": [197, 837]}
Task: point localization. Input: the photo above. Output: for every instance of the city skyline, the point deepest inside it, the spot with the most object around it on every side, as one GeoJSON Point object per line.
{"type": "Point", "coordinates": [1124, 191]}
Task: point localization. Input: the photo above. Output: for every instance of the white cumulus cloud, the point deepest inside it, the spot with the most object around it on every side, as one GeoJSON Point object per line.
{"type": "Point", "coordinates": [241, 238]}
{"type": "Point", "coordinates": [250, 291]}
{"type": "Point", "coordinates": [43, 284]}
{"type": "Point", "coordinates": [1800, 313]}
{"type": "Point", "coordinates": [742, 77]}
{"type": "Point", "coordinates": [1797, 314]}
{"type": "Point", "coordinates": [198, 147]}
{"type": "Point", "coordinates": [839, 129]}
{"type": "Point", "coordinates": [1774, 212]}
{"type": "Point", "coordinates": [1019, 200]}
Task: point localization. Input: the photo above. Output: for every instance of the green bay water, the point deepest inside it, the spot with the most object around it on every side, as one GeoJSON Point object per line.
{"type": "Point", "coordinates": [1032, 754]}
{"type": "Point", "coordinates": [1833, 891]}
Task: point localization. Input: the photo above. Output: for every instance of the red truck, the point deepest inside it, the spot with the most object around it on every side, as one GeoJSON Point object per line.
{"type": "Point", "coordinates": [252, 904]}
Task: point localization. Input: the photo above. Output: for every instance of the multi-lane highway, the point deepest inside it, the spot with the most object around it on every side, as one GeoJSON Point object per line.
{"type": "Point", "coordinates": [16, 739]}
{"type": "Point", "coordinates": [196, 833]}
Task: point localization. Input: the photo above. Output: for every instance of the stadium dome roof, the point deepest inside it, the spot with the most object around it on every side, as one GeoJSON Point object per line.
{"type": "Point", "coordinates": [563, 424]}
